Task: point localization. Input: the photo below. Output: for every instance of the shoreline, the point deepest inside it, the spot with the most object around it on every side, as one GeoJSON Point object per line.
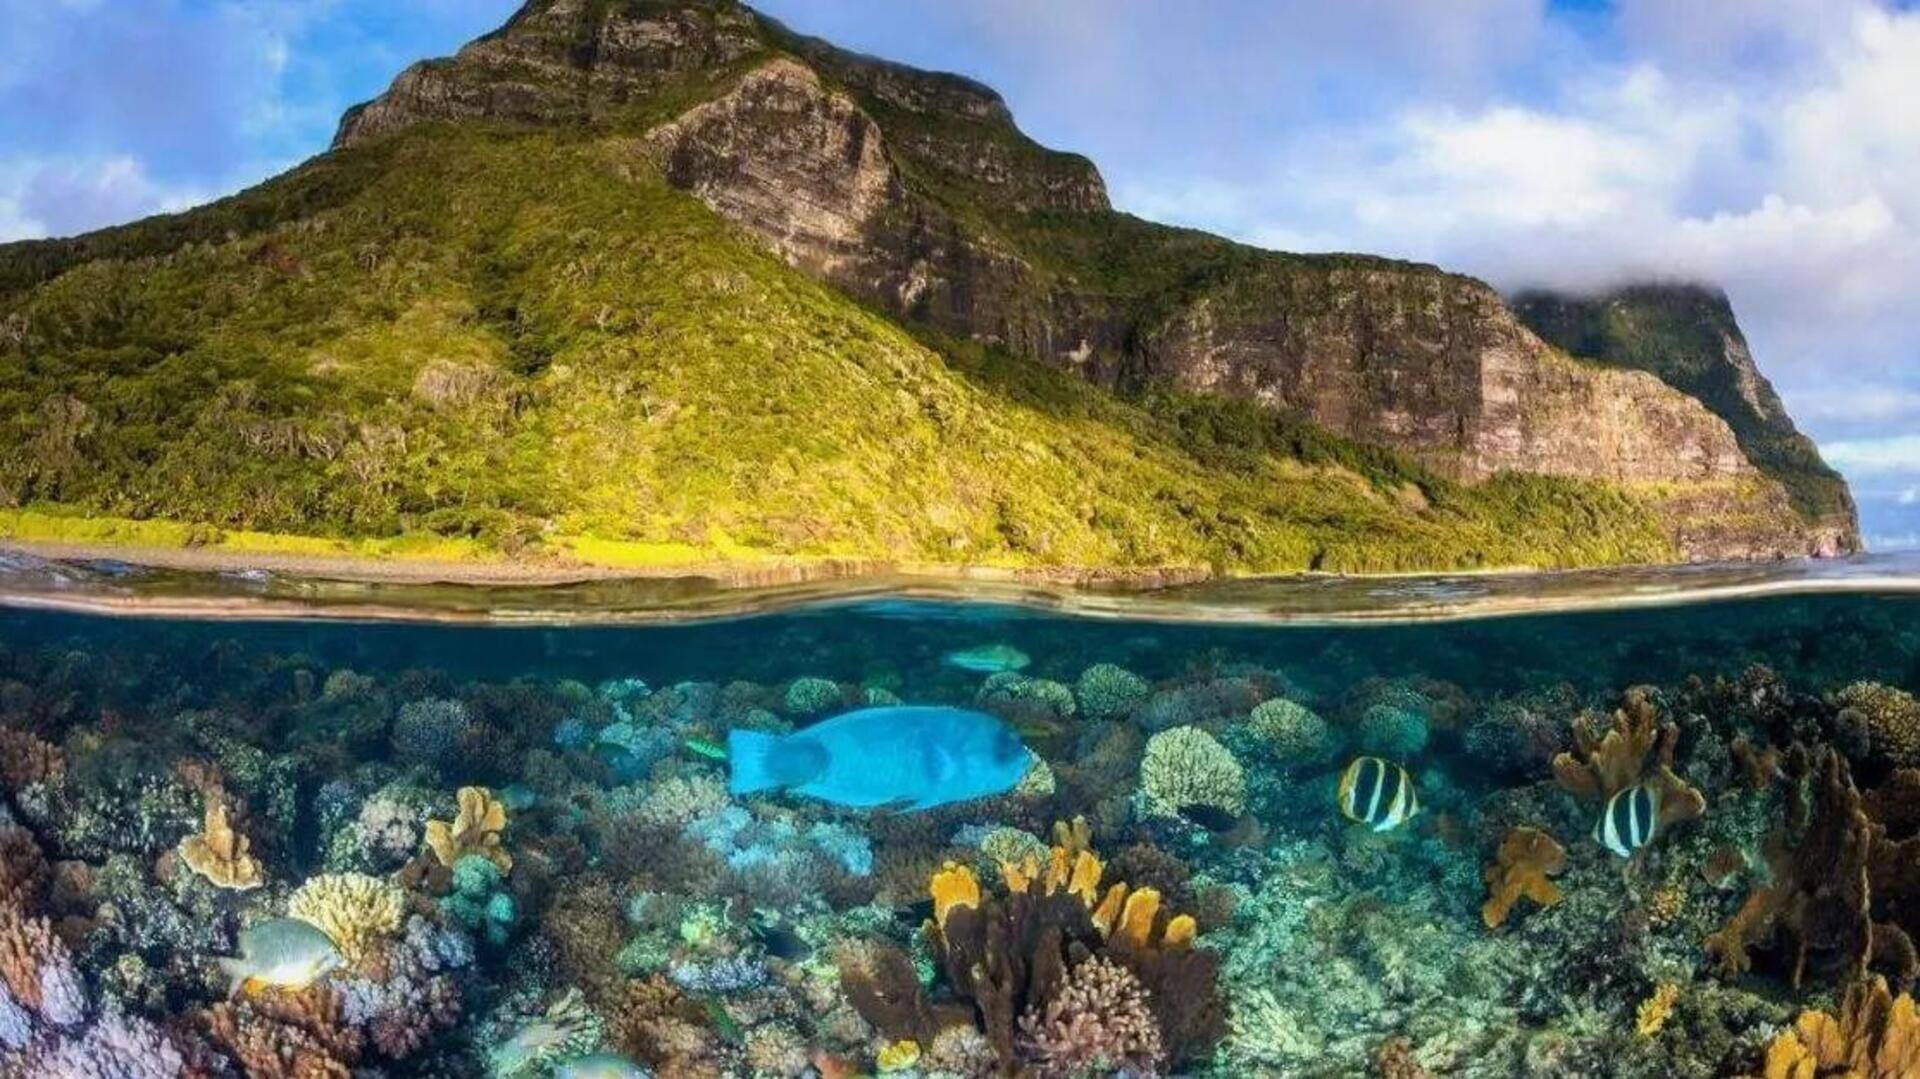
{"type": "Point", "coordinates": [262, 586]}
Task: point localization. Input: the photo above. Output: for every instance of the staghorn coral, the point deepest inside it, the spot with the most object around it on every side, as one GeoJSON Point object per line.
{"type": "Point", "coordinates": [1602, 766]}
{"type": "Point", "coordinates": [219, 852]}
{"type": "Point", "coordinates": [475, 829]}
{"type": "Point", "coordinates": [1876, 1035]}
{"type": "Point", "coordinates": [1186, 767]}
{"type": "Point", "coordinates": [26, 760]}
{"type": "Point", "coordinates": [1652, 1014]}
{"type": "Point", "coordinates": [1891, 718]}
{"type": "Point", "coordinates": [1098, 1022]}
{"type": "Point", "coordinates": [355, 910]}
{"type": "Point", "coordinates": [1526, 858]}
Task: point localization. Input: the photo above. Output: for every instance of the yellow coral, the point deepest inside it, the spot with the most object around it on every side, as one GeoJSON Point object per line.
{"type": "Point", "coordinates": [475, 829]}
{"type": "Point", "coordinates": [1186, 767]}
{"type": "Point", "coordinates": [1666, 904]}
{"type": "Point", "coordinates": [1891, 717]}
{"type": "Point", "coordinates": [953, 886]}
{"type": "Point", "coordinates": [899, 1056]}
{"type": "Point", "coordinates": [1875, 1035]}
{"type": "Point", "coordinates": [219, 853]}
{"type": "Point", "coordinates": [1655, 1010]}
{"type": "Point", "coordinates": [1039, 781]}
{"type": "Point", "coordinates": [353, 909]}
{"type": "Point", "coordinates": [1526, 858]}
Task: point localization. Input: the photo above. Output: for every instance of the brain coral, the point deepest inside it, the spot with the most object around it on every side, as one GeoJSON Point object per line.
{"type": "Point", "coordinates": [352, 908]}
{"type": "Point", "coordinates": [1892, 719]}
{"type": "Point", "coordinates": [1292, 732]}
{"type": "Point", "coordinates": [1186, 766]}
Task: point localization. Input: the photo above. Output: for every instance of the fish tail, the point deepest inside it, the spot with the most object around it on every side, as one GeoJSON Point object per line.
{"type": "Point", "coordinates": [236, 972]}
{"type": "Point", "coordinates": [761, 761]}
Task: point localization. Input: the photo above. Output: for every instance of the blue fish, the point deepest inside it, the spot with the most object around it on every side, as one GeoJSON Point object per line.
{"type": "Point", "coordinates": [901, 757]}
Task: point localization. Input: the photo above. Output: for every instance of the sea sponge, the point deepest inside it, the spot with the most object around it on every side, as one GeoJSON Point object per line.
{"type": "Point", "coordinates": [1875, 1036]}
{"type": "Point", "coordinates": [1292, 732]}
{"type": "Point", "coordinates": [1527, 857]}
{"type": "Point", "coordinates": [1891, 717]}
{"type": "Point", "coordinates": [475, 829]}
{"type": "Point", "coordinates": [353, 909]}
{"type": "Point", "coordinates": [219, 853]}
{"type": "Point", "coordinates": [1109, 691]}
{"type": "Point", "coordinates": [1186, 767]}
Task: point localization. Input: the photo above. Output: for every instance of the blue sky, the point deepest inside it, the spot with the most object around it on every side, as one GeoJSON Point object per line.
{"type": "Point", "coordinates": [1770, 146]}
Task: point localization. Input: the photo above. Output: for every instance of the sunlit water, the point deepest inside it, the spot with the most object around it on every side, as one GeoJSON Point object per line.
{"type": "Point", "coordinates": [648, 914]}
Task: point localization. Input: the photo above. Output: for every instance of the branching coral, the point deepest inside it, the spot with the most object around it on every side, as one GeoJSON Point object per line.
{"type": "Point", "coordinates": [38, 970]}
{"type": "Point", "coordinates": [475, 829]}
{"type": "Point", "coordinates": [1602, 766]}
{"type": "Point", "coordinates": [1526, 858]}
{"type": "Point", "coordinates": [23, 869]}
{"type": "Point", "coordinates": [1891, 718]}
{"type": "Point", "coordinates": [1186, 768]}
{"type": "Point", "coordinates": [1875, 1036]}
{"type": "Point", "coordinates": [1098, 1023]}
{"type": "Point", "coordinates": [1108, 691]}
{"type": "Point", "coordinates": [301, 1035]}
{"type": "Point", "coordinates": [26, 760]}
{"type": "Point", "coordinates": [220, 853]}
{"type": "Point", "coordinates": [353, 909]}
{"type": "Point", "coordinates": [1292, 732]}
{"type": "Point", "coordinates": [1652, 1015]}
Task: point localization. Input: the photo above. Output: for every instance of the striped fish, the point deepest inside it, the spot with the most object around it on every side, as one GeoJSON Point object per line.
{"type": "Point", "coordinates": [1628, 821]}
{"type": "Point", "coordinates": [1377, 793]}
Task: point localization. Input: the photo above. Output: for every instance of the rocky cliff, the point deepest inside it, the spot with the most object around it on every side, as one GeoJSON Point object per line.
{"type": "Point", "coordinates": [915, 191]}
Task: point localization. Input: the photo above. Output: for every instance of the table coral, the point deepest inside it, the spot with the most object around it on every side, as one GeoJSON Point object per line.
{"type": "Point", "coordinates": [355, 910]}
{"type": "Point", "coordinates": [1186, 766]}
{"type": "Point", "coordinates": [219, 852]}
{"type": "Point", "coordinates": [475, 829]}
{"type": "Point", "coordinates": [1526, 858]}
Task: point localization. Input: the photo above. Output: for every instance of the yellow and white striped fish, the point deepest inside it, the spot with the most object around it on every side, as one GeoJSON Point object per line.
{"type": "Point", "coordinates": [1629, 820]}
{"type": "Point", "coordinates": [1377, 793]}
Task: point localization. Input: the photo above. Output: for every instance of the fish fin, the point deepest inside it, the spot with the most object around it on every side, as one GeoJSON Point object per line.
{"type": "Point", "coordinates": [236, 972]}
{"type": "Point", "coordinates": [761, 761]}
{"type": "Point", "coordinates": [897, 805]}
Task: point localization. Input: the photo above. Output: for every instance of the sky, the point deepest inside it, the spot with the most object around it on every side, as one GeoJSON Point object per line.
{"type": "Point", "coordinates": [1771, 147]}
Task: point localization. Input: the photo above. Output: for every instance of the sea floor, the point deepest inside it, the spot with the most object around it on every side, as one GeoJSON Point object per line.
{"type": "Point", "coordinates": [308, 849]}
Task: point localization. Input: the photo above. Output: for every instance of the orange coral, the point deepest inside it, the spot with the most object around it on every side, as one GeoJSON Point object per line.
{"type": "Point", "coordinates": [1605, 765]}
{"type": "Point", "coordinates": [301, 1035]}
{"type": "Point", "coordinates": [475, 829]}
{"type": "Point", "coordinates": [1527, 857]}
{"type": "Point", "coordinates": [26, 760]}
{"type": "Point", "coordinates": [1875, 1036]}
{"type": "Point", "coordinates": [953, 887]}
{"type": "Point", "coordinates": [220, 853]}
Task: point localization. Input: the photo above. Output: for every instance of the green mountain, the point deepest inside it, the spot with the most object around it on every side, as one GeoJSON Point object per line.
{"type": "Point", "coordinates": [647, 283]}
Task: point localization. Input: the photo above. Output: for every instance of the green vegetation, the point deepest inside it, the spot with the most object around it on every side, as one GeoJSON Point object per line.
{"type": "Point", "coordinates": [1682, 333]}
{"type": "Point", "coordinates": [486, 341]}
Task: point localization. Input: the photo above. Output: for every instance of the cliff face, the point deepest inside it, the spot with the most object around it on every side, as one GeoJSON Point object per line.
{"type": "Point", "coordinates": [915, 192]}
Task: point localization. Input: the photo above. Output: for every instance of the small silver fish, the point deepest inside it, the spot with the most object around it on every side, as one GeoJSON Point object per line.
{"type": "Point", "coordinates": [989, 659]}
{"type": "Point", "coordinates": [600, 1066]}
{"type": "Point", "coordinates": [1378, 793]}
{"type": "Point", "coordinates": [1629, 820]}
{"type": "Point", "coordinates": [281, 953]}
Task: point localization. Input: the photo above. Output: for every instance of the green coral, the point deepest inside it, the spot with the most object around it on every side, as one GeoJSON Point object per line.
{"type": "Point", "coordinates": [1187, 767]}
{"type": "Point", "coordinates": [1109, 691]}
{"type": "Point", "coordinates": [478, 901]}
{"type": "Point", "coordinates": [1391, 730]}
{"type": "Point", "coordinates": [1291, 732]}
{"type": "Point", "coordinates": [1891, 717]}
{"type": "Point", "coordinates": [810, 696]}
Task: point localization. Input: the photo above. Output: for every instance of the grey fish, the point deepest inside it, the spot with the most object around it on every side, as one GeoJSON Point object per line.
{"type": "Point", "coordinates": [989, 659]}
{"type": "Point", "coordinates": [281, 953]}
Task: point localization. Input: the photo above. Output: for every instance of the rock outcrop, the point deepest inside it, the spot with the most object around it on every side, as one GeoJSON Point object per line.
{"type": "Point", "coordinates": [916, 192]}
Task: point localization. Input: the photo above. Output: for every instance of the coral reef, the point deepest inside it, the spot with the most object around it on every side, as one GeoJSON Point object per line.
{"type": "Point", "coordinates": [1526, 859]}
{"type": "Point", "coordinates": [1109, 691]}
{"type": "Point", "coordinates": [1186, 767]}
{"type": "Point", "coordinates": [221, 854]}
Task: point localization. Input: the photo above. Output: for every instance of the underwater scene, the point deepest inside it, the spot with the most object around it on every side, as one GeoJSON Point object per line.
{"type": "Point", "coordinates": [949, 839]}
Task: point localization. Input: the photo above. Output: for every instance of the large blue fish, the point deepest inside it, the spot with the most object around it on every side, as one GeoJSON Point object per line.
{"type": "Point", "coordinates": [900, 757]}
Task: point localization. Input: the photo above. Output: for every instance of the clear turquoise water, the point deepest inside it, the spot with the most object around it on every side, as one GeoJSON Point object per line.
{"type": "Point", "coordinates": [1333, 950]}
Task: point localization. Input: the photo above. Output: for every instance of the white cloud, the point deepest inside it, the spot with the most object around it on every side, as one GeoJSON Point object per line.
{"type": "Point", "coordinates": [1875, 456]}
